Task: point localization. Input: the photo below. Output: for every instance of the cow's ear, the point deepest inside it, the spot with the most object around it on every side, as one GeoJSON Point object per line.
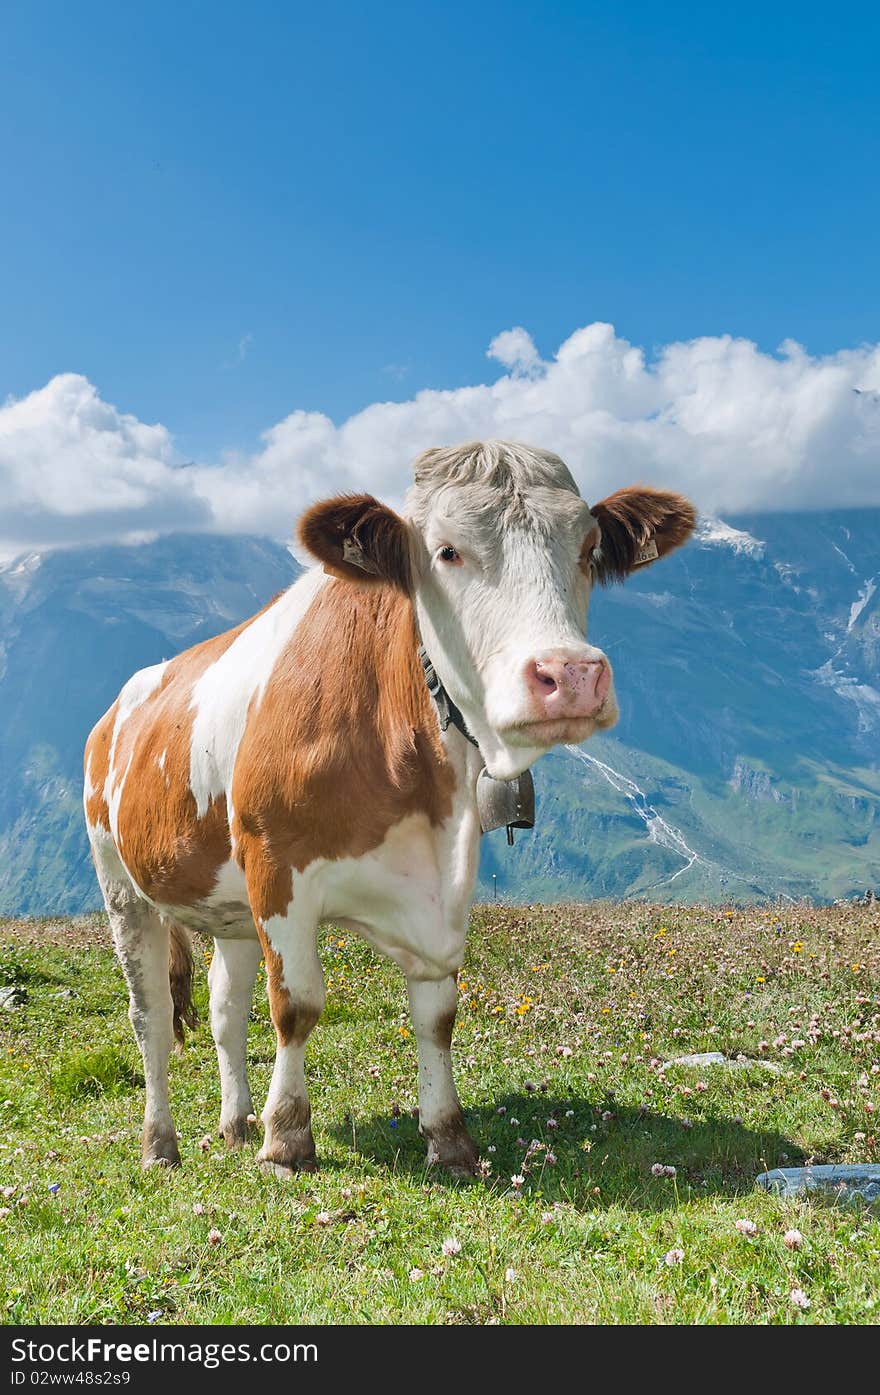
{"type": "Point", "coordinates": [359, 539]}
{"type": "Point", "coordinates": [638, 526]}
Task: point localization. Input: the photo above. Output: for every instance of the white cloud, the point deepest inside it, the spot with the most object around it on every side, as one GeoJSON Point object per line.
{"type": "Point", "coordinates": [731, 426]}
{"type": "Point", "coordinates": [74, 468]}
{"type": "Point", "coordinates": [515, 349]}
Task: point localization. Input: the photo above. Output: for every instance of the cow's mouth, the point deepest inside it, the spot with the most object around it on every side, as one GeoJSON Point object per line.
{"type": "Point", "coordinates": [557, 731]}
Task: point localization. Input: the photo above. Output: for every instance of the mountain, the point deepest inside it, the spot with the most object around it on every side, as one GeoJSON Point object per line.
{"type": "Point", "coordinates": [745, 766]}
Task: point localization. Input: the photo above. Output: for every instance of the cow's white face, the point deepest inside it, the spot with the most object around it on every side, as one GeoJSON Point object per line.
{"type": "Point", "coordinates": [501, 598]}
{"type": "Point", "coordinates": [499, 554]}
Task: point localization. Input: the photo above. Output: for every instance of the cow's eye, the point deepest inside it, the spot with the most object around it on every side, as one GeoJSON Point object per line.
{"type": "Point", "coordinates": [448, 554]}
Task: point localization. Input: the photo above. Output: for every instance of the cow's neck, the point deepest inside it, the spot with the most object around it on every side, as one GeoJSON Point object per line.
{"type": "Point", "coordinates": [379, 690]}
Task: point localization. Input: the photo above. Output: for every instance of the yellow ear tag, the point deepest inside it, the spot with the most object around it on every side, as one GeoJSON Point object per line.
{"type": "Point", "coordinates": [648, 553]}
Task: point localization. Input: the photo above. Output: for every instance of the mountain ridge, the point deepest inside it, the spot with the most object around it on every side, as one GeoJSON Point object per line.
{"type": "Point", "coordinates": [744, 766]}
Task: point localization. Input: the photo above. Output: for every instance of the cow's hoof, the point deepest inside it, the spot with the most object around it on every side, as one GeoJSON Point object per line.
{"type": "Point", "coordinates": [236, 1132]}
{"type": "Point", "coordinates": [148, 1163]}
{"type": "Point", "coordinates": [160, 1150]}
{"type": "Point", "coordinates": [451, 1147]}
{"type": "Point", "coordinates": [461, 1169]}
{"type": "Point", "coordinates": [287, 1169]}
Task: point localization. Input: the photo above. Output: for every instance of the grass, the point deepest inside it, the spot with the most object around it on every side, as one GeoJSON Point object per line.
{"type": "Point", "coordinates": [566, 1015]}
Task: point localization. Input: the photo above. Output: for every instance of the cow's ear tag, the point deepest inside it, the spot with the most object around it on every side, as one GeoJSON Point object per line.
{"type": "Point", "coordinates": [648, 553]}
{"type": "Point", "coordinates": [354, 554]}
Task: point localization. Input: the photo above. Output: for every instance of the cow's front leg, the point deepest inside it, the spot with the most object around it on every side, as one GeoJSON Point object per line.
{"type": "Point", "coordinates": [432, 1007]}
{"type": "Point", "coordinates": [231, 979]}
{"type": "Point", "coordinates": [295, 982]}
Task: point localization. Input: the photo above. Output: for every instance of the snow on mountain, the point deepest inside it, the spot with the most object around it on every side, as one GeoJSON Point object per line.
{"type": "Point", "coordinates": [714, 531]}
{"type": "Point", "coordinates": [858, 605]}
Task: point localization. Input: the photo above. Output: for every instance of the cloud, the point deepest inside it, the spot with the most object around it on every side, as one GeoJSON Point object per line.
{"type": "Point", "coordinates": [515, 348]}
{"type": "Point", "coordinates": [730, 425]}
{"type": "Point", "coordinates": [73, 468]}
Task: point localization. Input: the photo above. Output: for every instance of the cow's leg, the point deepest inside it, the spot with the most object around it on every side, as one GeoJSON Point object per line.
{"type": "Point", "coordinates": [231, 979]}
{"type": "Point", "coordinates": [441, 1123]}
{"type": "Point", "coordinates": [295, 982]}
{"type": "Point", "coordinates": [142, 944]}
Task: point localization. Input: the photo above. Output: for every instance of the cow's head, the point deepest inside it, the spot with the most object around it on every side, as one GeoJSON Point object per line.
{"type": "Point", "coordinates": [499, 553]}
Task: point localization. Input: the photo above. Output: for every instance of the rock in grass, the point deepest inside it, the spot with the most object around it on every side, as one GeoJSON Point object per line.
{"type": "Point", "coordinates": [847, 1184]}
{"type": "Point", "coordinates": [11, 997]}
{"type": "Point", "coordinates": [718, 1058]}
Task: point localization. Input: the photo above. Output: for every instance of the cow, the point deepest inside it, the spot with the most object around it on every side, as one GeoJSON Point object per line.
{"type": "Point", "coordinates": [297, 770]}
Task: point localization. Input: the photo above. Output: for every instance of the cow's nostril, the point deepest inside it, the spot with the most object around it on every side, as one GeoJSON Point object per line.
{"type": "Point", "coordinates": [545, 679]}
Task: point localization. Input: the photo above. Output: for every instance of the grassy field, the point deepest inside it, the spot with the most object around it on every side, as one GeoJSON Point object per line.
{"type": "Point", "coordinates": [567, 1014]}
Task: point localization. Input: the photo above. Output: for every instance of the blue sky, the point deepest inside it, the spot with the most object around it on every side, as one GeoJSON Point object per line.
{"type": "Point", "coordinates": [218, 213]}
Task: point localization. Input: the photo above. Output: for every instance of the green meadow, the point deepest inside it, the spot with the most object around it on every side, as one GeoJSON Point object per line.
{"type": "Point", "coordinates": [612, 1188]}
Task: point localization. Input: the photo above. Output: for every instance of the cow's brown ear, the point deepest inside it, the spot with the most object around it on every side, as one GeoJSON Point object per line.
{"type": "Point", "coordinates": [638, 526]}
{"type": "Point", "coordinates": [359, 539]}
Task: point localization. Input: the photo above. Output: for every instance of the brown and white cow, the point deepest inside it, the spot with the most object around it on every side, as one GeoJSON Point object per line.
{"type": "Point", "coordinates": [294, 771]}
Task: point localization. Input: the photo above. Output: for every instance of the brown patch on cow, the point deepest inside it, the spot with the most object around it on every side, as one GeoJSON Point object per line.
{"type": "Point", "coordinates": [450, 1145]}
{"type": "Point", "coordinates": [292, 1018]}
{"type": "Point", "coordinates": [630, 520]}
{"type": "Point", "coordinates": [358, 539]}
{"type": "Point", "coordinates": [441, 1034]}
{"type": "Point", "coordinates": [171, 853]}
{"type": "Point", "coordinates": [344, 745]}
{"type": "Point", "coordinates": [97, 768]}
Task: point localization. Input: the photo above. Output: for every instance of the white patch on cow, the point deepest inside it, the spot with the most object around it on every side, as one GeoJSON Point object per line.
{"type": "Point", "coordinates": [231, 979]}
{"type": "Point", "coordinates": [409, 896]}
{"type": "Point", "coordinates": [430, 1003]}
{"type": "Point", "coordinates": [115, 799]}
{"type": "Point", "coordinates": [160, 760]}
{"type": "Point", "coordinates": [88, 787]}
{"type": "Point", "coordinates": [137, 690]}
{"type": "Point", "coordinates": [230, 888]}
{"type": "Point", "coordinates": [139, 687]}
{"type": "Point", "coordinates": [108, 864]}
{"type": "Point", "coordinates": [223, 695]}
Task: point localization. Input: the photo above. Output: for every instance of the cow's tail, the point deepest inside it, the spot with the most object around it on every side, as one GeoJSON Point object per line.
{"type": "Point", "coordinates": [181, 974]}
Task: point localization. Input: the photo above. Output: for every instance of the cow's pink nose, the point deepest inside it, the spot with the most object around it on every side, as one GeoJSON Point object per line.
{"type": "Point", "coordinates": [561, 686]}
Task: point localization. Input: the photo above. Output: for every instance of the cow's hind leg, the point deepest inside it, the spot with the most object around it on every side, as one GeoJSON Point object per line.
{"type": "Point", "coordinates": [441, 1123]}
{"type": "Point", "coordinates": [231, 979]}
{"type": "Point", "coordinates": [295, 982]}
{"type": "Point", "coordinates": [142, 943]}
